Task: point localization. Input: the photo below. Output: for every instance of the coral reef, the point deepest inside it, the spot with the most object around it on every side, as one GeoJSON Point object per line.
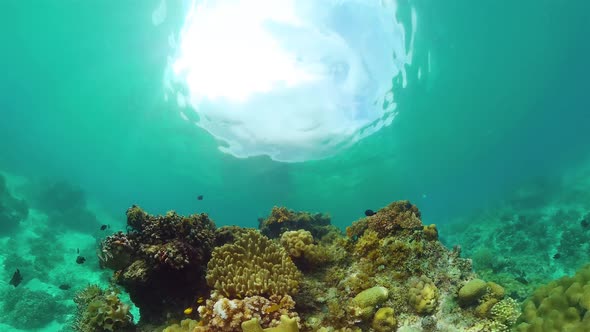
{"type": "Point", "coordinates": [391, 273]}
{"type": "Point", "coordinates": [101, 310]}
{"type": "Point", "coordinates": [392, 255]}
{"type": "Point", "coordinates": [252, 265]}
{"type": "Point", "coordinates": [539, 232]}
{"type": "Point", "coordinates": [161, 261]}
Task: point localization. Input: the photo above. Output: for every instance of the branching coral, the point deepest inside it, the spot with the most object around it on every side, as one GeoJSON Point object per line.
{"type": "Point", "coordinates": [253, 265]}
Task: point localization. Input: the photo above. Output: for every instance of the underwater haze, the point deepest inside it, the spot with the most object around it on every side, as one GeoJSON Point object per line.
{"type": "Point", "coordinates": [457, 106]}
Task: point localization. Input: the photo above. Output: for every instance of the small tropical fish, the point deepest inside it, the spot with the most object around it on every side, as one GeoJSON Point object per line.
{"type": "Point", "coordinates": [16, 278]}
{"type": "Point", "coordinates": [64, 287]}
{"type": "Point", "coordinates": [200, 197]}
{"type": "Point", "coordinates": [103, 227]}
{"type": "Point", "coordinates": [272, 308]}
{"type": "Point", "coordinates": [188, 311]}
{"type": "Point", "coordinates": [77, 250]}
{"type": "Point", "coordinates": [80, 259]}
{"type": "Point", "coordinates": [557, 256]}
{"type": "Point", "coordinates": [369, 213]}
{"type": "Point", "coordinates": [200, 300]}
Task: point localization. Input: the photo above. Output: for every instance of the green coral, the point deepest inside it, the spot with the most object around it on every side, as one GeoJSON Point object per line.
{"type": "Point", "coordinates": [101, 310]}
{"type": "Point", "coordinates": [561, 305]}
{"type": "Point", "coordinates": [384, 320]}
{"type": "Point", "coordinates": [363, 305]}
{"type": "Point", "coordinates": [472, 291]}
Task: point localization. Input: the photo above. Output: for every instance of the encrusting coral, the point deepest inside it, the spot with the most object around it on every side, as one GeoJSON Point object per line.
{"type": "Point", "coordinates": [252, 265]}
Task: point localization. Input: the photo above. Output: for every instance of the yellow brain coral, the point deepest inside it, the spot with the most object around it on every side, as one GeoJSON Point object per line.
{"type": "Point", "coordinates": [253, 265]}
{"type": "Point", "coordinates": [423, 295]}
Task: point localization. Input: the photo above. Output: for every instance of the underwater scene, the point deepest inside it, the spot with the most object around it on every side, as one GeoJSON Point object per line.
{"type": "Point", "coordinates": [295, 165]}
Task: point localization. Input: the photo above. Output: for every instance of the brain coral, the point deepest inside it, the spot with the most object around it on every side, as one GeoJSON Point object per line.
{"type": "Point", "coordinates": [423, 295]}
{"type": "Point", "coordinates": [252, 265]}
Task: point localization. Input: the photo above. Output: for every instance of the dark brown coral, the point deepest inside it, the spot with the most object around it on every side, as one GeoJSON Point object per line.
{"type": "Point", "coordinates": [399, 215]}
{"type": "Point", "coordinates": [161, 261]}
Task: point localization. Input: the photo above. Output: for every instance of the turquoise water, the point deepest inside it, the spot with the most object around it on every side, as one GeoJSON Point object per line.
{"type": "Point", "coordinates": [505, 103]}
